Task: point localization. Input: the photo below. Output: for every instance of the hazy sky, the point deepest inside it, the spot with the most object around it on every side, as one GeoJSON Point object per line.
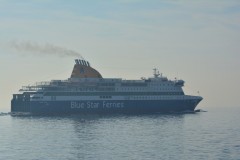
{"type": "Point", "coordinates": [198, 41]}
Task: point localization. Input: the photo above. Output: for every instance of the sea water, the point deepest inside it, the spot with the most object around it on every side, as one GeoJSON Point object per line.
{"type": "Point", "coordinates": [205, 135]}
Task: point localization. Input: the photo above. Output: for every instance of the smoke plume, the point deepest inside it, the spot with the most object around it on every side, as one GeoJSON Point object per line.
{"type": "Point", "coordinates": [46, 49]}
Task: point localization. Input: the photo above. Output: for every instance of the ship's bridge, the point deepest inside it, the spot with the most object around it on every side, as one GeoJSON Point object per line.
{"type": "Point", "coordinates": [82, 69]}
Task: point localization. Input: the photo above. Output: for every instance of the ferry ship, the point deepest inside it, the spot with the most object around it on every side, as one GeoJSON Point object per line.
{"type": "Point", "coordinates": [87, 92]}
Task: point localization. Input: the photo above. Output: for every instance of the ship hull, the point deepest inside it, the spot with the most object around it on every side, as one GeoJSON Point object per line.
{"type": "Point", "coordinates": [104, 107]}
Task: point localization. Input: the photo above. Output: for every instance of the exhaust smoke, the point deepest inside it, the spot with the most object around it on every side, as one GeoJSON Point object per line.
{"type": "Point", "coordinates": [46, 49]}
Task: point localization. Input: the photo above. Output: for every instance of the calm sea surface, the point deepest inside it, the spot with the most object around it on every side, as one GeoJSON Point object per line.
{"type": "Point", "coordinates": [206, 135]}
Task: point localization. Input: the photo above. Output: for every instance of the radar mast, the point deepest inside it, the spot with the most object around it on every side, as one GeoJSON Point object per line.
{"type": "Point", "coordinates": [156, 73]}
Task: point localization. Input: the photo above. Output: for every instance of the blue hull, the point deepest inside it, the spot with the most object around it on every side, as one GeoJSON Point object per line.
{"type": "Point", "coordinates": [104, 107]}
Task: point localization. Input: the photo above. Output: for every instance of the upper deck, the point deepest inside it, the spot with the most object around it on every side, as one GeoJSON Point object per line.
{"type": "Point", "coordinates": [86, 79]}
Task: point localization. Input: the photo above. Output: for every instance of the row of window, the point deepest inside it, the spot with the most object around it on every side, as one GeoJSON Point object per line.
{"type": "Point", "coordinates": [150, 97]}
{"type": "Point", "coordinates": [134, 84]}
{"type": "Point", "coordinates": [162, 84]}
{"type": "Point", "coordinates": [109, 93]}
{"type": "Point", "coordinates": [105, 97]}
{"type": "Point", "coordinates": [142, 89]}
{"type": "Point", "coordinates": [106, 84]}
